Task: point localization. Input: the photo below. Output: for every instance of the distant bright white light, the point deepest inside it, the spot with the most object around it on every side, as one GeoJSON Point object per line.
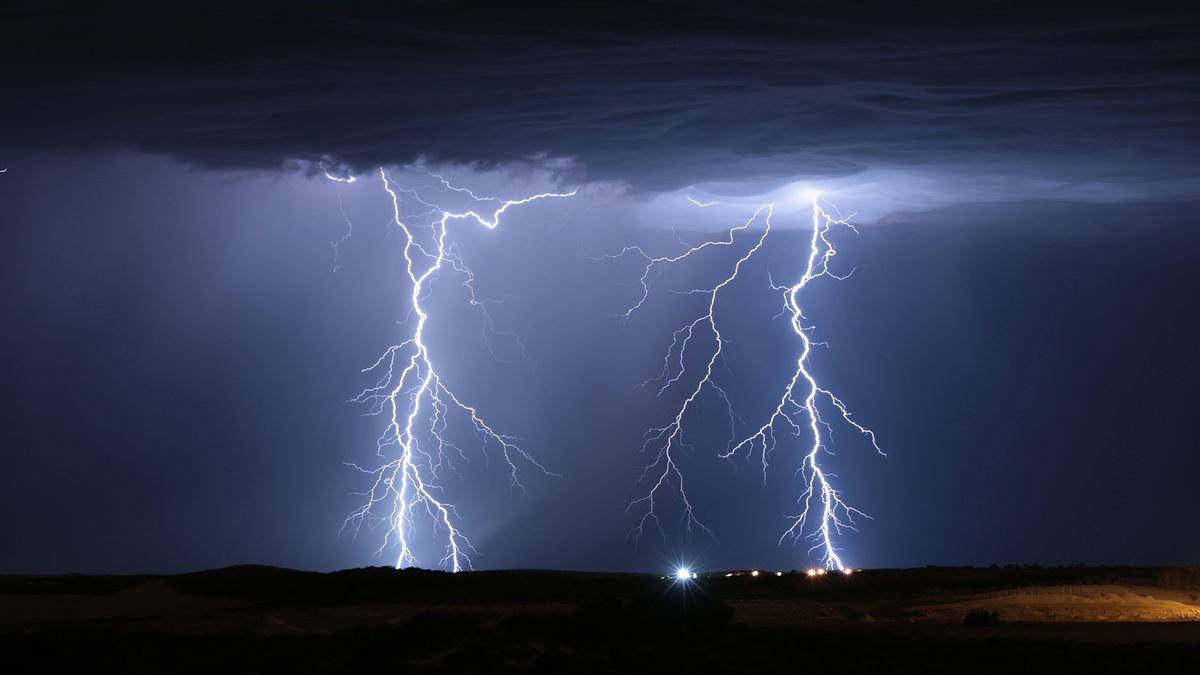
{"type": "Point", "coordinates": [779, 574]}
{"type": "Point", "coordinates": [683, 574]}
{"type": "Point", "coordinates": [811, 573]}
{"type": "Point", "coordinates": [847, 571]}
{"type": "Point", "coordinates": [754, 573]}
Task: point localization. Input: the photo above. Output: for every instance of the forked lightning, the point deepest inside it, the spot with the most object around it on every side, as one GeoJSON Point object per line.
{"type": "Point", "coordinates": [413, 397]}
{"type": "Point", "coordinates": [823, 512]}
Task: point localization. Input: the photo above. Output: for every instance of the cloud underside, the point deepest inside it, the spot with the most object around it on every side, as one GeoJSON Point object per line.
{"type": "Point", "coordinates": [668, 97]}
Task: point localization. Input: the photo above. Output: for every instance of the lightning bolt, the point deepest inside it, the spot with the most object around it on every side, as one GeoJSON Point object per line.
{"type": "Point", "coordinates": [414, 399]}
{"type": "Point", "coordinates": [348, 178]}
{"type": "Point", "coordinates": [337, 244]}
{"type": "Point", "coordinates": [667, 440]}
{"type": "Point", "coordinates": [799, 406]}
{"type": "Point", "coordinates": [834, 514]}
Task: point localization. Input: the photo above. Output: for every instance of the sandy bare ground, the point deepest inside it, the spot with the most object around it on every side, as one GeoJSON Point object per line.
{"type": "Point", "coordinates": [1079, 604]}
{"type": "Point", "coordinates": [1076, 603]}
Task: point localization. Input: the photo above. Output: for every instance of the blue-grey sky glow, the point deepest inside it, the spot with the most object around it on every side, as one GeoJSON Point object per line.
{"type": "Point", "coordinates": [191, 298]}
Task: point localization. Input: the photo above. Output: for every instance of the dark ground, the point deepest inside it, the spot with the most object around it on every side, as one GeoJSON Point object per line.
{"type": "Point", "coordinates": [262, 619]}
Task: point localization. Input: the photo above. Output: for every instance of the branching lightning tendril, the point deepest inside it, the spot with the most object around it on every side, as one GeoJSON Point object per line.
{"type": "Point", "coordinates": [798, 408]}
{"type": "Point", "coordinates": [415, 400]}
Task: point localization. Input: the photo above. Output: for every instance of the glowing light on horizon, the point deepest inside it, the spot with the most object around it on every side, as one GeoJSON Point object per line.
{"type": "Point", "coordinates": [684, 574]}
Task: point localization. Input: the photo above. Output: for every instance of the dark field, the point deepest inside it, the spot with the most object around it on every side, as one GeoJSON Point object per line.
{"type": "Point", "coordinates": [261, 619]}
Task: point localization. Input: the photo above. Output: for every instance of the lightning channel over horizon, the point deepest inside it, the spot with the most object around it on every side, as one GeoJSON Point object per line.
{"type": "Point", "coordinates": [823, 511]}
{"type": "Point", "coordinates": [411, 395]}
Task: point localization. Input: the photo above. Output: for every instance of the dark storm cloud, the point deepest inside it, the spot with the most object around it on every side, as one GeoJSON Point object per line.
{"type": "Point", "coordinates": [668, 95]}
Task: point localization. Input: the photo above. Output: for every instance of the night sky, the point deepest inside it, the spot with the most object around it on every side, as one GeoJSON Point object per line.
{"type": "Point", "coordinates": [182, 339]}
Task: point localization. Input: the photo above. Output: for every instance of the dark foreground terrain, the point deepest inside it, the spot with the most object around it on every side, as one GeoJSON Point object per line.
{"type": "Point", "coordinates": [262, 619]}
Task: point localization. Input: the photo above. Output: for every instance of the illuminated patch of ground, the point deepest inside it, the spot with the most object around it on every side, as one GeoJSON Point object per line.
{"type": "Point", "coordinates": [1078, 603]}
